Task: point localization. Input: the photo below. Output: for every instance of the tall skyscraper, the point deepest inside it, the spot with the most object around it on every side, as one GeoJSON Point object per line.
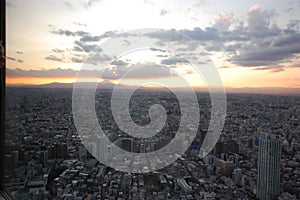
{"type": "Point", "coordinates": [268, 179]}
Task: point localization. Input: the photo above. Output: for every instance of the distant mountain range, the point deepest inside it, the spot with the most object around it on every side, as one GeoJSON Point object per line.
{"type": "Point", "coordinates": [110, 85]}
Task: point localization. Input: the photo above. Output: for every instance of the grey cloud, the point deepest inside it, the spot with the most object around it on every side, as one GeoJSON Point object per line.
{"type": "Point", "coordinates": [58, 50]}
{"type": "Point", "coordinates": [163, 12]}
{"type": "Point", "coordinates": [76, 48]}
{"type": "Point", "coordinates": [291, 39]}
{"type": "Point", "coordinates": [109, 34]}
{"type": "Point", "coordinates": [11, 58]}
{"type": "Point", "coordinates": [222, 22]}
{"type": "Point", "coordinates": [276, 70]}
{"type": "Point", "coordinates": [156, 49]}
{"type": "Point", "coordinates": [49, 73]}
{"type": "Point", "coordinates": [259, 20]}
{"type": "Point", "coordinates": [224, 67]}
{"type": "Point", "coordinates": [206, 37]}
{"type": "Point", "coordinates": [53, 58]}
{"type": "Point", "coordinates": [70, 33]}
{"type": "Point", "coordinates": [214, 46]}
{"type": "Point", "coordinates": [273, 69]}
{"type": "Point", "coordinates": [142, 71]}
{"type": "Point", "coordinates": [92, 58]}
{"type": "Point", "coordinates": [208, 34]}
{"type": "Point", "coordinates": [126, 42]}
{"type": "Point", "coordinates": [231, 49]}
{"type": "Point", "coordinates": [280, 51]}
{"type": "Point", "coordinates": [80, 24]}
{"type": "Point", "coordinates": [15, 59]}
{"type": "Point", "coordinates": [257, 42]}
{"type": "Point", "coordinates": [77, 60]}
{"type": "Point", "coordinates": [165, 36]}
{"type": "Point", "coordinates": [89, 38]}
{"type": "Point", "coordinates": [161, 56]}
{"type": "Point", "coordinates": [293, 25]}
{"type": "Point", "coordinates": [260, 23]}
{"type": "Point", "coordinates": [295, 65]}
{"type": "Point", "coordinates": [204, 53]}
{"type": "Point", "coordinates": [97, 59]}
{"type": "Point", "coordinates": [173, 61]}
{"type": "Point", "coordinates": [289, 10]}
{"type": "Point", "coordinates": [80, 33]}
{"type": "Point", "coordinates": [91, 2]}
{"type": "Point", "coordinates": [119, 63]}
{"type": "Point", "coordinates": [68, 5]}
{"type": "Point", "coordinates": [87, 47]}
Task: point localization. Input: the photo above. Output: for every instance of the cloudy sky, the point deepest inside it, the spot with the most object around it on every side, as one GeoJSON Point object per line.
{"type": "Point", "coordinates": [251, 43]}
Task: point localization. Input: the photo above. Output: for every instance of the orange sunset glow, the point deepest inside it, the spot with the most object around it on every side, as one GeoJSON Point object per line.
{"type": "Point", "coordinates": [251, 44]}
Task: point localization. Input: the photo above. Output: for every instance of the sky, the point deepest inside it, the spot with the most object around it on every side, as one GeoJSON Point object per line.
{"type": "Point", "coordinates": [250, 43]}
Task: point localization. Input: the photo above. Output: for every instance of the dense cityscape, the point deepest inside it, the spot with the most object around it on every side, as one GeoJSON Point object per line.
{"type": "Point", "coordinates": [45, 158]}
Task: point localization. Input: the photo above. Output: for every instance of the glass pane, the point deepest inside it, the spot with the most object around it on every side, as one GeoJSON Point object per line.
{"type": "Point", "coordinates": [152, 100]}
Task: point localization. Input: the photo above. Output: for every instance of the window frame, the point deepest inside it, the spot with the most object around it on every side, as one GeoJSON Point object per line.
{"type": "Point", "coordinates": [4, 194]}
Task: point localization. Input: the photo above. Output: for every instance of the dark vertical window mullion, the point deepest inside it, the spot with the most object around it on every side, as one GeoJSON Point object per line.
{"type": "Point", "coordinates": [2, 91]}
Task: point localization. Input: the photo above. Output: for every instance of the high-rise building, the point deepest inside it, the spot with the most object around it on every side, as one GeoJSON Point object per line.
{"type": "Point", "coordinates": [268, 180]}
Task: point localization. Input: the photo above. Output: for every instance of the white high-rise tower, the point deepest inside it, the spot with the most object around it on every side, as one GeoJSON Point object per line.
{"type": "Point", "coordinates": [268, 179]}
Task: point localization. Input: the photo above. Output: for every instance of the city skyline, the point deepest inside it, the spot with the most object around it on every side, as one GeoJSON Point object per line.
{"type": "Point", "coordinates": [45, 157]}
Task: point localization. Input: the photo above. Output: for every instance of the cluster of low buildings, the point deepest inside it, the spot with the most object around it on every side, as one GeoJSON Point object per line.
{"type": "Point", "coordinates": [46, 159]}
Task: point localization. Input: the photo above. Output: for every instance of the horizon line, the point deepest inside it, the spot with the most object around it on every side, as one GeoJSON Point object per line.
{"type": "Point", "coordinates": [227, 89]}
